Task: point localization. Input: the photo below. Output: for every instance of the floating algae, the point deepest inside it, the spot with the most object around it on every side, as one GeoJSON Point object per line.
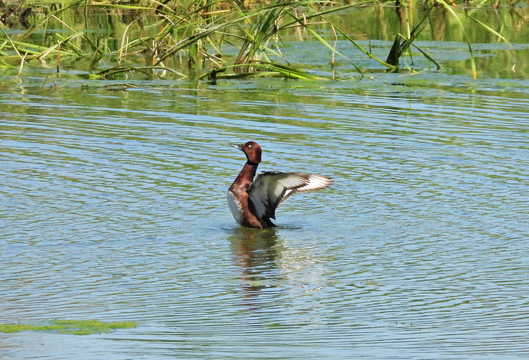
{"type": "Point", "coordinates": [76, 327]}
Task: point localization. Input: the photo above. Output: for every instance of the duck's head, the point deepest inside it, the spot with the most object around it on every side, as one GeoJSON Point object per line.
{"type": "Point", "coordinates": [252, 150]}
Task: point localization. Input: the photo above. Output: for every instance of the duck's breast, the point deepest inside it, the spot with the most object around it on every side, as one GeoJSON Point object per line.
{"type": "Point", "coordinates": [235, 207]}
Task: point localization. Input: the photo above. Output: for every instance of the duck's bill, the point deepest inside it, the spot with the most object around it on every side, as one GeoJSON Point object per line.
{"type": "Point", "coordinates": [237, 146]}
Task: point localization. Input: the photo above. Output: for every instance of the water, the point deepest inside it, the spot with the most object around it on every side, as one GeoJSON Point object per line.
{"type": "Point", "coordinates": [112, 207]}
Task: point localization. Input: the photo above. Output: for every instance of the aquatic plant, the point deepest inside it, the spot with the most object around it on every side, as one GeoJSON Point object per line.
{"type": "Point", "coordinates": [208, 39]}
{"type": "Point", "coordinates": [75, 327]}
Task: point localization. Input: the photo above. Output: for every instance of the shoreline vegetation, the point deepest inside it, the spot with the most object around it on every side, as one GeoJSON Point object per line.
{"type": "Point", "coordinates": [212, 39]}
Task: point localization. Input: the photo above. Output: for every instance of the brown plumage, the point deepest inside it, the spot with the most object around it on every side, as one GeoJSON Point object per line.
{"type": "Point", "coordinates": [253, 202]}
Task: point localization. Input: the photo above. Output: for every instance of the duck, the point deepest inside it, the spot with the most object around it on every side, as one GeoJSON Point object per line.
{"type": "Point", "coordinates": [253, 200]}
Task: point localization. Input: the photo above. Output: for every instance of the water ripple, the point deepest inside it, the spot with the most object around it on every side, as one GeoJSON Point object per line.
{"type": "Point", "coordinates": [112, 207]}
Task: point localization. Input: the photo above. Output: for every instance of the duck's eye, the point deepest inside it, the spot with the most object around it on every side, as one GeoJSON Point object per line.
{"type": "Point", "coordinates": [250, 146]}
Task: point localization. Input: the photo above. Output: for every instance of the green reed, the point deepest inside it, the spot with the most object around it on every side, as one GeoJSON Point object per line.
{"type": "Point", "coordinates": [208, 39]}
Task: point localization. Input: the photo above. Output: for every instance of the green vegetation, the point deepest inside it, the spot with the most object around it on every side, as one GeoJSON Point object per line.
{"type": "Point", "coordinates": [76, 327]}
{"type": "Point", "coordinates": [208, 39]}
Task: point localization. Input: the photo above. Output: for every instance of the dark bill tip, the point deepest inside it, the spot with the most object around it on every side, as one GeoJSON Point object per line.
{"type": "Point", "coordinates": [237, 146]}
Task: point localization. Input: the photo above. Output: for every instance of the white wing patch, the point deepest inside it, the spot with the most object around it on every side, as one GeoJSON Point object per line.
{"type": "Point", "coordinates": [315, 182]}
{"type": "Point", "coordinates": [271, 189]}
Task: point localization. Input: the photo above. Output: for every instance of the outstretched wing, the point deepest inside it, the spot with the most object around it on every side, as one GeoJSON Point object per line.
{"type": "Point", "coordinates": [271, 189]}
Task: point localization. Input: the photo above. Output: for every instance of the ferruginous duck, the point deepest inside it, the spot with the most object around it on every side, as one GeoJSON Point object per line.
{"type": "Point", "coordinates": [253, 202]}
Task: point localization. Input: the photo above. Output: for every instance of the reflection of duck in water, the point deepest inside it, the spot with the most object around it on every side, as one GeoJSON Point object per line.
{"type": "Point", "coordinates": [255, 253]}
{"type": "Point", "coordinates": [254, 203]}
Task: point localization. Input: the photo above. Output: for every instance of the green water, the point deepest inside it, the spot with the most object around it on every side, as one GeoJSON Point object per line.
{"type": "Point", "coordinates": [113, 209]}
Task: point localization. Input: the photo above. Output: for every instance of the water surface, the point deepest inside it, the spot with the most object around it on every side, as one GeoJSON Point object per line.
{"type": "Point", "coordinates": [112, 208]}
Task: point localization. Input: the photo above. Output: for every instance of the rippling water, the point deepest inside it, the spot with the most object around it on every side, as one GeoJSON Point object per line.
{"type": "Point", "coordinates": [112, 207]}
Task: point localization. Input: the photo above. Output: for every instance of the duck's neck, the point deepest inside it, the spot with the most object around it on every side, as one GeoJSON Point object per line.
{"type": "Point", "coordinates": [247, 174]}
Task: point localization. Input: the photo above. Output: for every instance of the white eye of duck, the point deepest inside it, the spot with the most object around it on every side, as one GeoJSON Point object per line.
{"type": "Point", "coordinates": [250, 146]}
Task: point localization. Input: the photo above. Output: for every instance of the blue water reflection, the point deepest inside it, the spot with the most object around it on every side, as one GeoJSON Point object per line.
{"type": "Point", "coordinates": [112, 207]}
